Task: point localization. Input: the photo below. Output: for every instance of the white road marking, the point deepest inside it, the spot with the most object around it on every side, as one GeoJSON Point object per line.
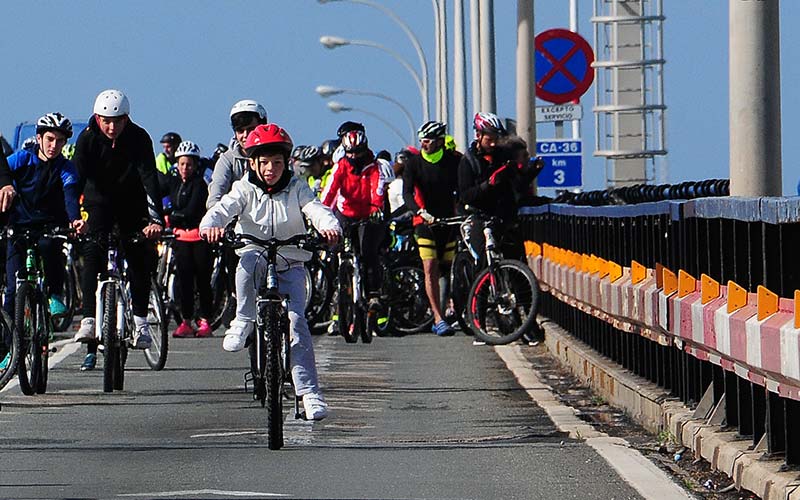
{"type": "Point", "coordinates": [197, 493]}
{"type": "Point", "coordinates": [65, 348]}
{"type": "Point", "coordinates": [224, 434]}
{"type": "Point", "coordinates": [632, 466]}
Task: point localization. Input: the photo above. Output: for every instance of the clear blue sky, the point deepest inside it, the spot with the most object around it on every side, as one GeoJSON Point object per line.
{"type": "Point", "coordinates": [183, 63]}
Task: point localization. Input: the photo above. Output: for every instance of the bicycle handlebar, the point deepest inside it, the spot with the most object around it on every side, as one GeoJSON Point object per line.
{"type": "Point", "coordinates": [239, 240]}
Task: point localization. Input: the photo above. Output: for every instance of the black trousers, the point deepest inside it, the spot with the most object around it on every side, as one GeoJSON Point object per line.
{"type": "Point", "coordinates": [193, 262]}
{"type": "Point", "coordinates": [370, 238]}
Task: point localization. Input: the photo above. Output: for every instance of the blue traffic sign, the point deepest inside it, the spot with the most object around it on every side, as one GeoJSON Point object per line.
{"type": "Point", "coordinates": [563, 162]}
{"type": "Point", "coordinates": [563, 66]}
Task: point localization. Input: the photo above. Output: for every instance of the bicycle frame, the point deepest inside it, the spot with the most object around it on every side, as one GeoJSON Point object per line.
{"type": "Point", "coordinates": [114, 277]}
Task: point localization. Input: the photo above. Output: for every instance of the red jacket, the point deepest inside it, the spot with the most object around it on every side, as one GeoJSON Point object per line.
{"type": "Point", "coordinates": [355, 195]}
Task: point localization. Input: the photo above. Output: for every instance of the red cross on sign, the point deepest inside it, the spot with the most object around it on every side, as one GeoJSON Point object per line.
{"type": "Point", "coordinates": [563, 66]}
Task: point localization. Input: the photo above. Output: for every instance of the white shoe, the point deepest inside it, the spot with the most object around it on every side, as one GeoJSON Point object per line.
{"type": "Point", "coordinates": [141, 334]}
{"type": "Point", "coordinates": [315, 405]}
{"type": "Point", "coordinates": [236, 335]}
{"type": "Point", "coordinates": [86, 331]}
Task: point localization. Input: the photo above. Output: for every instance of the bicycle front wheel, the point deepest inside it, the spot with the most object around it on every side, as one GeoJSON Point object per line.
{"type": "Point", "coordinates": [29, 369]}
{"type": "Point", "coordinates": [112, 357]}
{"type": "Point", "coordinates": [10, 348]}
{"type": "Point", "coordinates": [156, 354]}
{"type": "Point", "coordinates": [502, 303]}
{"type": "Point", "coordinates": [275, 374]}
{"type": "Point", "coordinates": [349, 324]}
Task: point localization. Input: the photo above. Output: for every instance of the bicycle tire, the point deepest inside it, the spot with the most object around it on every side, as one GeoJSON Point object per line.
{"type": "Point", "coordinates": [321, 292]}
{"type": "Point", "coordinates": [274, 374]}
{"type": "Point", "coordinates": [43, 325]}
{"type": "Point", "coordinates": [30, 360]}
{"type": "Point", "coordinates": [111, 338]}
{"type": "Point", "coordinates": [410, 310]}
{"type": "Point", "coordinates": [70, 294]}
{"type": "Point", "coordinates": [462, 273]}
{"type": "Point", "coordinates": [223, 302]}
{"type": "Point", "coordinates": [156, 354]}
{"type": "Point", "coordinates": [7, 331]}
{"type": "Point", "coordinates": [347, 308]}
{"type": "Point", "coordinates": [503, 315]}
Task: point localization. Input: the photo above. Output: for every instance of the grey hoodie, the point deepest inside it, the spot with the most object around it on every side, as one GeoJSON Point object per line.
{"type": "Point", "coordinates": [231, 166]}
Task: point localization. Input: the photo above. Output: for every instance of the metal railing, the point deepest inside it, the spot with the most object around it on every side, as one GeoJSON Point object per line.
{"type": "Point", "coordinates": [752, 242]}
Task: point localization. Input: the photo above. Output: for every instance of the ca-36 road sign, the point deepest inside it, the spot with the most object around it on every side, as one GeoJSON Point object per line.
{"type": "Point", "coordinates": [563, 161]}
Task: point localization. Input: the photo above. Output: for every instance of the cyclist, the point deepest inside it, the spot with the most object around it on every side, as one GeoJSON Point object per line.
{"type": "Point", "coordinates": [46, 187]}
{"type": "Point", "coordinates": [430, 184]}
{"type": "Point", "coordinates": [188, 193]}
{"type": "Point", "coordinates": [357, 191]}
{"type": "Point", "coordinates": [165, 161]}
{"type": "Point", "coordinates": [231, 166]}
{"type": "Point", "coordinates": [270, 203]}
{"type": "Point", "coordinates": [114, 158]}
{"type": "Point", "coordinates": [491, 180]}
{"type": "Point", "coordinates": [319, 174]}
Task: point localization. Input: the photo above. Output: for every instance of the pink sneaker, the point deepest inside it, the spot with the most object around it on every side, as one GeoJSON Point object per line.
{"type": "Point", "coordinates": [184, 330]}
{"type": "Point", "coordinates": [203, 328]}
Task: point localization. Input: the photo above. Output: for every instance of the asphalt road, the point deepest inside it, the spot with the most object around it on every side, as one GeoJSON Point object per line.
{"type": "Point", "coordinates": [412, 417]}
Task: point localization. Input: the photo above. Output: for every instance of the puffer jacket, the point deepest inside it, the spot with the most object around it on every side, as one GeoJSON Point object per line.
{"type": "Point", "coordinates": [278, 215]}
{"type": "Point", "coordinates": [356, 194]}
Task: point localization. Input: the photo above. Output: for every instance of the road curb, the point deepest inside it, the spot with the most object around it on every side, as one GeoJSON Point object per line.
{"type": "Point", "coordinates": [654, 409]}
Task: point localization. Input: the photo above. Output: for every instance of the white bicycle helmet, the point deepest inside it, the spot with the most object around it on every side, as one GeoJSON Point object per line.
{"type": "Point", "coordinates": [432, 130]}
{"type": "Point", "coordinates": [54, 121]}
{"type": "Point", "coordinates": [111, 103]}
{"type": "Point", "coordinates": [187, 148]}
{"type": "Point", "coordinates": [249, 105]}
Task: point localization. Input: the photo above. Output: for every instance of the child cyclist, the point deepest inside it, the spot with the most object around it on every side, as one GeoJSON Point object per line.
{"type": "Point", "coordinates": [188, 193]}
{"type": "Point", "coordinates": [270, 203]}
{"type": "Point", "coordinates": [46, 188]}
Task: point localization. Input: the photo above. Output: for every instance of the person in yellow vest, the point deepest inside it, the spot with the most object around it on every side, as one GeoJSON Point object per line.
{"type": "Point", "coordinates": [165, 161]}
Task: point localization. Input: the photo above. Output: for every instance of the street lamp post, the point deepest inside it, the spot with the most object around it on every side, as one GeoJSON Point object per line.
{"type": "Point", "coordinates": [332, 42]}
{"type": "Point", "coordinates": [338, 107]}
{"type": "Point", "coordinates": [414, 41]}
{"type": "Point", "coordinates": [327, 91]}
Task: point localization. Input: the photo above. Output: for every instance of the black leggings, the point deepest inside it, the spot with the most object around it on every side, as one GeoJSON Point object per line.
{"type": "Point", "coordinates": [370, 237]}
{"type": "Point", "coordinates": [194, 262]}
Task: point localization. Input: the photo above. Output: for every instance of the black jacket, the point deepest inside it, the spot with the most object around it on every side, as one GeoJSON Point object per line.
{"type": "Point", "coordinates": [119, 176]}
{"type": "Point", "coordinates": [501, 200]}
{"type": "Point", "coordinates": [437, 184]}
{"type": "Point", "coordinates": [188, 201]}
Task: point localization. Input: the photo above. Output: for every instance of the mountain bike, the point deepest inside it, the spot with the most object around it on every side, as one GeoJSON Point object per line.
{"type": "Point", "coordinates": [502, 302]}
{"type": "Point", "coordinates": [403, 285]}
{"type": "Point", "coordinates": [71, 293]}
{"type": "Point", "coordinates": [32, 322]}
{"type": "Point", "coordinates": [9, 345]}
{"type": "Point", "coordinates": [352, 297]}
{"type": "Point", "coordinates": [320, 272]}
{"type": "Point", "coordinates": [270, 347]}
{"type": "Point", "coordinates": [114, 317]}
{"type": "Point", "coordinates": [223, 301]}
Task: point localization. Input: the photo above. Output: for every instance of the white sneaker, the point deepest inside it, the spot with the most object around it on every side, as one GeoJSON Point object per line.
{"type": "Point", "coordinates": [141, 333]}
{"type": "Point", "coordinates": [315, 405]}
{"type": "Point", "coordinates": [86, 331]}
{"type": "Point", "coordinates": [236, 335]}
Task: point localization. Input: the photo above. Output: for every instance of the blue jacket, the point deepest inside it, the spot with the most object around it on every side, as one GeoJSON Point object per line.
{"type": "Point", "coordinates": [47, 192]}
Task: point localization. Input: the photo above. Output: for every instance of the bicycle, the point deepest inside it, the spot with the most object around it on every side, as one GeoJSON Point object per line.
{"type": "Point", "coordinates": [270, 347]}
{"type": "Point", "coordinates": [320, 285]}
{"type": "Point", "coordinates": [33, 325]}
{"type": "Point", "coordinates": [114, 318]}
{"type": "Point", "coordinates": [502, 302]}
{"type": "Point", "coordinates": [403, 285]}
{"type": "Point", "coordinates": [223, 301]}
{"type": "Point", "coordinates": [352, 300]}
{"type": "Point", "coordinates": [71, 292]}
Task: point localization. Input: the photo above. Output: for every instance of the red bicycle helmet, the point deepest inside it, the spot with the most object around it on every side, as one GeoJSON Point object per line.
{"type": "Point", "coordinates": [488, 123]}
{"type": "Point", "coordinates": [269, 136]}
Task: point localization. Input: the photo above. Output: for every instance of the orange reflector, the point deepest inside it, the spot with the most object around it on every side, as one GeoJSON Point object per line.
{"type": "Point", "coordinates": [669, 280]}
{"type": "Point", "coordinates": [659, 276]}
{"type": "Point", "coordinates": [797, 308]}
{"type": "Point", "coordinates": [737, 297]}
{"type": "Point", "coordinates": [709, 289]}
{"type": "Point", "coordinates": [614, 271]}
{"type": "Point", "coordinates": [533, 249]}
{"type": "Point", "coordinates": [686, 284]}
{"type": "Point", "coordinates": [603, 267]}
{"type": "Point", "coordinates": [585, 261]}
{"type": "Point", "coordinates": [767, 302]}
{"type": "Point", "coordinates": [638, 272]}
